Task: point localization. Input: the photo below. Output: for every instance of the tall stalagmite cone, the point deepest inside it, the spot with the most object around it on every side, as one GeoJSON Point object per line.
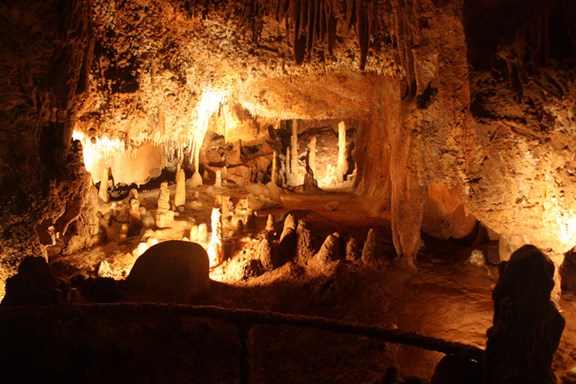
{"type": "Point", "coordinates": [218, 179]}
{"type": "Point", "coordinates": [312, 155]}
{"type": "Point", "coordinates": [341, 164]}
{"type": "Point", "coordinates": [273, 174]}
{"type": "Point", "coordinates": [216, 248]}
{"type": "Point", "coordinates": [294, 149]}
{"type": "Point", "coordinates": [164, 215]}
{"type": "Point", "coordinates": [270, 223]}
{"type": "Point", "coordinates": [180, 196]}
{"type": "Point", "coordinates": [103, 191]}
{"type": "Point", "coordinates": [196, 179]}
{"type": "Point", "coordinates": [287, 164]}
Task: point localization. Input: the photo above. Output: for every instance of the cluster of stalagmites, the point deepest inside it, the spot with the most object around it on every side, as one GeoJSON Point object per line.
{"type": "Point", "coordinates": [297, 243]}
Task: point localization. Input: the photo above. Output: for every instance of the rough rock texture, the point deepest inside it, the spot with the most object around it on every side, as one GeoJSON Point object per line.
{"type": "Point", "coordinates": [476, 97]}
{"type": "Point", "coordinates": [46, 55]}
{"type": "Point", "coordinates": [173, 271]}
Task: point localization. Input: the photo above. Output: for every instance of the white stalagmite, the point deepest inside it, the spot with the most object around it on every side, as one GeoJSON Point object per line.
{"type": "Point", "coordinates": [218, 180]}
{"type": "Point", "coordinates": [180, 195]}
{"type": "Point", "coordinates": [164, 215]}
{"type": "Point", "coordinates": [202, 232]}
{"type": "Point", "coordinates": [270, 223]}
{"type": "Point", "coordinates": [164, 197]}
{"type": "Point", "coordinates": [178, 167]}
{"type": "Point", "coordinates": [287, 163]}
{"type": "Point", "coordinates": [341, 164]}
{"type": "Point", "coordinates": [215, 249]}
{"type": "Point", "coordinates": [103, 191]}
{"type": "Point", "coordinates": [196, 180]}
{"type": "Point", "coordinates": [294, 149]}
{"type": "Point", "coordinates": [273, 175]}
{"type": "Point", "coordinates": [194, 234]}
{"type": "Point", "coordinates": [312, 155]}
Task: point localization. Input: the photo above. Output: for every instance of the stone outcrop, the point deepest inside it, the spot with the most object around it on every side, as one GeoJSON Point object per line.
{"type": "Point", "coordinates": [172, 271]}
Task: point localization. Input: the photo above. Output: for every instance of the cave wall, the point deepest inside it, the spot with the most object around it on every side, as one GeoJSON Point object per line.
{"type": "Point", "coordinates": [43, 72]}
{"type": "Point", "coordinates": [520, 169]}
{"type": "Point", "coordinates": [486, 110]}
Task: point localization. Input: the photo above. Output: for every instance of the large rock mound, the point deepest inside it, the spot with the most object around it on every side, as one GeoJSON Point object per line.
{"type": "Point", "coordinates": [173, 271]}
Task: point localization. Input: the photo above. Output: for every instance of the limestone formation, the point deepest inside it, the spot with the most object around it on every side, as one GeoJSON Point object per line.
{"type": "Point", "coordinates": [196, 180]}
{"type": "Point", "coordinates": [216, 246]}
{"type": "Point", "coordinates": [103, 190]}
{"type": "Point", "coordinates": [202, 233]}
{"type": "Point", "coordinates": [373, 250]}
{"type": "Point", "coordinates": [180, 195]}
{"type": "Point", "coordinates": [268, 254]}
{"type": "Point", "coordinates": [172, 271]}
{"type": "Point", "coordinates": [312, 154]}
{"type": "Point", "coordinates": [273, 171]}
{"type": "Point", "coordinates": [135, 209]}
{"type": "Point", "coordinates": [341, 164]}
{"type": "Point", "coordinates": [164, 215]}
{"type": "Point", "coordinates": [104, 269]}
{"type": "Point", "coordinates": [193, 236]}
{"type": "Point", "coordinates": [294, 152]}
{"type": "Point", "coordinates": [288, 239]}
{"type": "Point", "coordinates": [324, 260]}
{"type": "Point", "coordinates": [304, 247]}
{"type": "Point", "coordinates": [270, 223]}
{"type": "Point", "coordinates": [218, 179]}
{"type": "Point", "coordinates": [353, 249]}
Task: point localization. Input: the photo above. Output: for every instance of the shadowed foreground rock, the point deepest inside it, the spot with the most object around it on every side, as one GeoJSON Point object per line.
{"type": "Point", "coordinates": [527, 326]}
{"type": "Point", "coordinates": [172, 271]}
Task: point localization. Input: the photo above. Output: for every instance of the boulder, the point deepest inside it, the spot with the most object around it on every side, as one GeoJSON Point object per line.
{"type": "Point", "coordinates": [32, 285]}
{"type": "Point", "coordinates": [172, 271]}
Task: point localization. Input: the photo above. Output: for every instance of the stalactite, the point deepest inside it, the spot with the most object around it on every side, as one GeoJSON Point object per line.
{"type": "Point", "coordinates": [362, 30]}
{"type": "Point", "coordinates": [313, 23]}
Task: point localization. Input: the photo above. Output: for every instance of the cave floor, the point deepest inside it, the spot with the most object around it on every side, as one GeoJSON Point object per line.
{"type": "Point", "coordinates": [448, 298]}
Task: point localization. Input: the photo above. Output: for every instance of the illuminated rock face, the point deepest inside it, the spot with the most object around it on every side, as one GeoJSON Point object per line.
{"type": "Point", "coordinates": [457, 120]}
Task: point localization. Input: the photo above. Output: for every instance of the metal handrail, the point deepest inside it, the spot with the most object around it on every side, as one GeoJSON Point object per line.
{"type": "Point", "coordinates": [244, 319]}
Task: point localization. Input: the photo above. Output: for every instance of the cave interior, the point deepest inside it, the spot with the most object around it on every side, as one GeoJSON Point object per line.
{"type": "Point", "coordinates": [286, 191]}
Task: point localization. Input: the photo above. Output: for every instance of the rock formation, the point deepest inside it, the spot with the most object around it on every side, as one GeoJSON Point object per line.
{"type": "Point", "coordinates": [527, 325]}
{"type": "Point", "coordinates": [472, 100]}
{"type": "Point", "coordinates": [172, 271]}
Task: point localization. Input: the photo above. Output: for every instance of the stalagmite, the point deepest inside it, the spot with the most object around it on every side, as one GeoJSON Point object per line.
{"type": "Point", "coordinates": [273, 174]}
{"type": "Point", "coordinates": [312, 155]}
{"type": "Point", "coordinates": [294, 149]}
{"type": "Point", "coordinates": [164, 215]}
{"type": "Point", "coordinates": [178, 167]}
{"type": "Point", "coordinates": [225, 205]}
{"type": "Point", "coordinates": [287, 164]}
{"type": "Point", "coordinates": [180, 196]}
{"type": "Point", "coordinates": [103, 190]}
{"type": "Point", "coordinates": [202, 232]}
{"type": "Point", "coordinates": [104, 269]}
{"type": "Point", "coordinates": [196, 180]}
{"type": "Point", "coordinates": [218, 180]}
{"type": "Point", "coordinates": [270, 223]}
{"type": "Point", "coordinates": [135, 209]}
{"type": "Point", "coordinates": [216, 249]}
{"type": "Point", "coordinates": [194, 234]}
{"type": "Point", "coordinates": [341, 165]}
{"type": "Point", "coordinates": [164, 197]}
